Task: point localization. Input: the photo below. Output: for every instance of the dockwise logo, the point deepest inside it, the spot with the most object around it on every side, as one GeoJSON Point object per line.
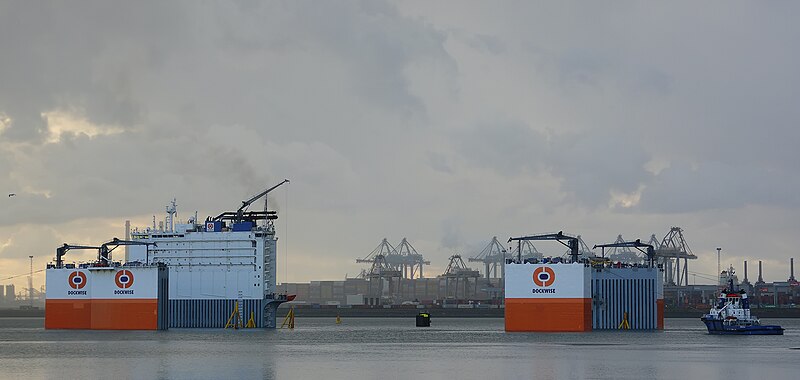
{"type": "Point", "coordinates": [124, 279]}
{"type": "Point", "coordinates": [543, 277]}
{"type": "Point", "coordinates": [77, 280]}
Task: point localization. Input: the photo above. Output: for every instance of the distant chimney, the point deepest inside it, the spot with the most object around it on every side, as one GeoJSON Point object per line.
{"type": "Point", "coordinates": [791, 269]}
{"type": "Point", "coordinates": [760, 278]}
{"type": "Point", "coordinates": [745, 273]}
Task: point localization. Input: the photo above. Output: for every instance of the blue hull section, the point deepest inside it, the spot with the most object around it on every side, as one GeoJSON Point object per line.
{"type": "Point", "coordinates": [211, 313]}
{"type": "Point", "coordinates": [716, 327]}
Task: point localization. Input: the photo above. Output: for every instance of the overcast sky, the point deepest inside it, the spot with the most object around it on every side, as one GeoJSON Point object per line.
{"type": "Point", "coordinates": [443, 122]}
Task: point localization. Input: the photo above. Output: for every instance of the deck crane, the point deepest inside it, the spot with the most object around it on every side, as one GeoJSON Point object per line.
{"type": "Point", "coordinates": [241, 215]}
{"type": "Point", "coordinates": [650, 252]}
{"type": "Point", "coordinates": [104, 251]}
{"type": "Point", "coordinates": [62, 250]}
{"type": "Point", "coordinates": [247, 203]}
{"type": "Point", "coordinates": [571, 243]}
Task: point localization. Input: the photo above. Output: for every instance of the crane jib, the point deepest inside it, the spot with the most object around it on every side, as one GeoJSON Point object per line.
{"type": "Point", "coordinates": [250, 201]}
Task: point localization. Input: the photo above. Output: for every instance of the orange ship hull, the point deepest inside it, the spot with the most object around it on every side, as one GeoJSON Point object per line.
{"type": "Point", "coordinates": [548, 314]}
{"type": "Point", "coordinates": [129, 314]}
{"type": "Point", "coordinates": [68, 314]}
{"type": "Point", "coordinates": [102, 314]}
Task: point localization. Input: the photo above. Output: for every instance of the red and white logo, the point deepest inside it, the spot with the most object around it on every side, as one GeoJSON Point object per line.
{"type": "Point", "coordinates": [124, 279]}
{"type": "Point", "coordinates": [543, 276]}
{"type": "Point", "coordinates": [77, 280]}
{"type": "Point", "coordinates": [210, 227]}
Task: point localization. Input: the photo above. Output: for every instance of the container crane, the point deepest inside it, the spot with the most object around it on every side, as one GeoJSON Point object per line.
{"type": "Point", "coordinates": [459, 271]}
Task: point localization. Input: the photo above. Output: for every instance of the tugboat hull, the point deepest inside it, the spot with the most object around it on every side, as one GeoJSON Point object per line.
{"type": "Point", "coordinates": [717, 327]}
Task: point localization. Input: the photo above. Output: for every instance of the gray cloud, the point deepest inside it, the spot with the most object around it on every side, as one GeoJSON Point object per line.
{"type": "Point", "coordinates": [682, 188]}
{"type": "Point", "coordinates": [510, 148]}
{"type": "Point", "coordinates": [590, 164]}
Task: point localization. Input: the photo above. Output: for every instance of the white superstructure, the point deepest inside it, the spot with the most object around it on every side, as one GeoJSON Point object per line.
{"type": "Point", "coordinates": [212, 263]}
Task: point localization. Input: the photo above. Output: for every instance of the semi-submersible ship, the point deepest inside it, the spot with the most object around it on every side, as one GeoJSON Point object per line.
{"type": "Point", "coordinates": [582, 294]}
{"type": "Point", "coordinates": [179, 275]}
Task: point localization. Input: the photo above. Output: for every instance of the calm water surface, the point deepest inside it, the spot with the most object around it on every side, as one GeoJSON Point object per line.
{"type": "Point", "coordinates": [389, 348]}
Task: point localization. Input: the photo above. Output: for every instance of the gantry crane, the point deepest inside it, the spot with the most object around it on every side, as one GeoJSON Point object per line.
{"type": "Point", "coordinates": [672, 249]}
{"type": "Point", "coordinates": [457, 270]}
{"type": "Point", "coordinates": [492, 257]}
{"type": "Point", "coordinates": [411, 261]}
{"type": "Point", "coordinates": [380, 271]}
{"type": "Point", "coordinates": [404, 258]}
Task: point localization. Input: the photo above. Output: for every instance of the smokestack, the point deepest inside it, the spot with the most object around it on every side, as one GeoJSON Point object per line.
{"type": "Point", "coordinates": [791, 269]}
{"type": "Point", "coordinates": [745, 273]}
{"type": "Point", "coordinates": [760, 278]}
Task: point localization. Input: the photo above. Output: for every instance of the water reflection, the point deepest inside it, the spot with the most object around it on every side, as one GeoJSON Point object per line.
{"type": "Point", "coordinates": [378, 348]}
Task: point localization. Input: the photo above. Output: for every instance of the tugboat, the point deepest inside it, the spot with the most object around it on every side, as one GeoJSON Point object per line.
{"type": "Point", "coordinates": [731, 316]}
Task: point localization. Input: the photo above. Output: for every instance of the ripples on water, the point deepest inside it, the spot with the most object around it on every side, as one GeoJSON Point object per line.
{"type": "Point", "coordinates": [371, 348]}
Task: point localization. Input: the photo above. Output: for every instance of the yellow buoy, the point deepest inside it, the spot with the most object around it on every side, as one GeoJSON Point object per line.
{"type": "Point", "coordinates": [338, 319]}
